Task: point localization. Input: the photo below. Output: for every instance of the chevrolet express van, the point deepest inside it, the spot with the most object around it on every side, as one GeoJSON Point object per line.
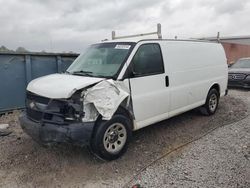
{"type": "Point", "coordinates": [117, 87]}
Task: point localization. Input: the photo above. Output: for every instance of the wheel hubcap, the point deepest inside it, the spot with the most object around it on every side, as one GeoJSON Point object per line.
{"type": "Point", "coordinates": [213, 102]}
{"type": "Point", "coordinates": [115, 138]}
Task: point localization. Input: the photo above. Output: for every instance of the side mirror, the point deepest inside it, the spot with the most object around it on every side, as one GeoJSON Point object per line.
{"type": "Point", "coordinates": [129, 73]}
{"type": "Point", "coordinates": [133, 73]}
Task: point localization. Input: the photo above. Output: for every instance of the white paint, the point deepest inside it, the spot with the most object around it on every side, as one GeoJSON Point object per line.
{"type": "Point", "coordinates": [193, 67]}
{"type": "Point", "coordinates": [4, 126]}
{"type": "Point", "coordinates": [105, 97]}
{"type": "Point", "coordinates": [150, 98]}
{"type": "Point", "coordinates": [58, 86]}
{"type": "Point", "coordinates": [90, 112]}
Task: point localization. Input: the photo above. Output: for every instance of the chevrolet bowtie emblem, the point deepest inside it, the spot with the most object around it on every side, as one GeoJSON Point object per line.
{"type": "Point", "coordinates": [32, 104]}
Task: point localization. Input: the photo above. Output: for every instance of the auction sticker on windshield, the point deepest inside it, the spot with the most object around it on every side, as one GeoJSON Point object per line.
{"type": "Point", "coordinates": [122, 47]}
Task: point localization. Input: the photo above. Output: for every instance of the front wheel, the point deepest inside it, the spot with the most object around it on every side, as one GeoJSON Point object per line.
{"type": "Point", "coordinates": [110, 138]}
{"type": "Point", "coordinates": [212, 101]}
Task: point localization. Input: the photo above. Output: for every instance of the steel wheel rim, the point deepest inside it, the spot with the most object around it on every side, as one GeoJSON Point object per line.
{"type": "Point", "coordinates": [213, 102]}
{"type": "Point", "coordinates": [115, 138]}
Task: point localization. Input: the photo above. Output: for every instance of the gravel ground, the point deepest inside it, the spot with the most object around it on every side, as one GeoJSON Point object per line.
{"type": "Point", "coordinates": [220, 159]}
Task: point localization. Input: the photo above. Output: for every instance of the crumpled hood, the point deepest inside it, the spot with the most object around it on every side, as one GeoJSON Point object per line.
{"type": "Point", "coordinates": [58, 86]}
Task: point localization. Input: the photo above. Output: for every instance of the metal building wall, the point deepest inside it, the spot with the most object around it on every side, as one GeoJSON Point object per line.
{"type": "Point", "coordinates": [235, 51]}
{"type": "Point", "coordinates": [18, 69]}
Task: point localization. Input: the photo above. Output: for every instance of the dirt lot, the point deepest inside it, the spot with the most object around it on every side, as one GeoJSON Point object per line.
{"type": "Point", "coordinates": [24, 163]}
{"type": "Point", "coordinates": [219, 159]}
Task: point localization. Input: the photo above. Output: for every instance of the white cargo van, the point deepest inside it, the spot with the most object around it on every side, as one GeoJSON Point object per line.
{"type": "Point", "coordinates": [117, 87]}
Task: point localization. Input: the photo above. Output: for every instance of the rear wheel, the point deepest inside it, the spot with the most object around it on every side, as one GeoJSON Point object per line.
{"type": "Point", "coordinates": [110, 139]}
{"type": "Point", "coordinates": [212, 101]}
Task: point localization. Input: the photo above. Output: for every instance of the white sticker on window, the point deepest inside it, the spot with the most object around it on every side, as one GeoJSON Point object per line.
{"type": "Point", "coordinates": [122, 47]}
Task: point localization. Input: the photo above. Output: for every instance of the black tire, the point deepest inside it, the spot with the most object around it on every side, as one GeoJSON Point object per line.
{"type": "Point", "coordinates": [212, 102]}
{"type": "Point", "coordinates": [113, 145]}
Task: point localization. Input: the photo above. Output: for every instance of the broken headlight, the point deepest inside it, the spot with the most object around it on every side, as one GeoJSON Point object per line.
{"type": "Point", "coordinates": [68, 110]}
{"type": "Point", "coordinates": [73, 110]}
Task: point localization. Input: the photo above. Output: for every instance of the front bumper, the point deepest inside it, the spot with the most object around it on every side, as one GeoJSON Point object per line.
{"type": "Point", "coordinates": [243, 84]}
{"type": "Point", "coordinates": [46, 133]}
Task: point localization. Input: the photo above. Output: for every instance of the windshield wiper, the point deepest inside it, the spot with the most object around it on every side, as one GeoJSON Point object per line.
{"type": "Point", "coordinates": [82, 73]}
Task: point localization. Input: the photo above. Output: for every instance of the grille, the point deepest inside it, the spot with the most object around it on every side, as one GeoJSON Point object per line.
{"type": "Point", "coordinates": [40, 108]}
{"type": "Point", "coordinates": [34, 115]}
{"type": "Point", "coordinates": [32, 112]}
{"type": "Point", "coordinates": [236, 76]}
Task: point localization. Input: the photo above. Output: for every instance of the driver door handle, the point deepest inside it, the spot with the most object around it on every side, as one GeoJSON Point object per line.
{"type": "Point", "coordinates": [166, 81]}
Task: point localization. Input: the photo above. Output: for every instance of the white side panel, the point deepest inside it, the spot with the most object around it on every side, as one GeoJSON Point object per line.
{"type": "Point", "coordinates": [194, 68]}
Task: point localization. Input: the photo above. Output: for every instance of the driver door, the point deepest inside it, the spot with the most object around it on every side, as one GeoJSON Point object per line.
{"type": "Point", "coordinates": [149, 86]}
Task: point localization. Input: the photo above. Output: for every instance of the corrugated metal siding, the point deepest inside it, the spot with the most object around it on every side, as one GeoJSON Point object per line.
{"type": "Point", "coordinates": [18, 69]}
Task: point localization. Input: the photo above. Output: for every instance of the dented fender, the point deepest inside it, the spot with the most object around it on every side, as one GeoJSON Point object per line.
{"type": "Point", "coordinates": [104, 98]}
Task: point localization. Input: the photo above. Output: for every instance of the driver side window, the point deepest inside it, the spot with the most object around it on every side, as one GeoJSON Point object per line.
{"type": "Point", "coordinates": [148, 60]}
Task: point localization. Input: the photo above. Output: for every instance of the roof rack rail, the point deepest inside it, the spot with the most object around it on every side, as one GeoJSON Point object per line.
{"type": "Point", "coordinates": [158, 33]}
{"type": "Point", "coordinates": [212, 39]}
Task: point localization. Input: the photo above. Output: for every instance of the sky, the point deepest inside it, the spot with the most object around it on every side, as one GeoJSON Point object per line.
{"type": "Point", "coordinates": [63, 26]}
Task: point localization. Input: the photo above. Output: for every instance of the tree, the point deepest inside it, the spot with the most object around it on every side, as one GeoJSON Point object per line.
{"type": "Point", "coordinates": [21, 49]}
{"type": "Point", "coordinates": [4, 49]}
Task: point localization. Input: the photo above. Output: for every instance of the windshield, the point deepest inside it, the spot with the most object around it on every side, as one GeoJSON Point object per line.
{"type": "Point", "coordinates": [101, 60]}
{"type": "Point", "coordinates": [242, 63]}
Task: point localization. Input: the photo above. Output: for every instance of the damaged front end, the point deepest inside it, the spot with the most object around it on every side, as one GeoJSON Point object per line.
{"type": "Point", "coordinates": [56, 120]}
{"type": "Point", "coordinates": [72, 120]}
{"type": "Point", "coordinates": [58, 111]}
